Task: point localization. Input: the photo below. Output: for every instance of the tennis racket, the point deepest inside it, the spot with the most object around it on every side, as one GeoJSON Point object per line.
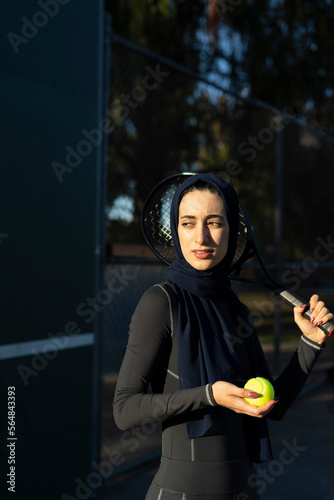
{"type": "Point", "coordinates": [155, 224]}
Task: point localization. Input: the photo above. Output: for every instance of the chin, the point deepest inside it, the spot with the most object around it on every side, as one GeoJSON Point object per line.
{"type": "Point", "coordinates": [203, 265]}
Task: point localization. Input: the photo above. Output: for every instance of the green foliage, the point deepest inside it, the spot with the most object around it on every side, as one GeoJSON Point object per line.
{"type": "Point", "coordinates": [280, 52]}
{"type": "Point", "coordinates": [287, 55]}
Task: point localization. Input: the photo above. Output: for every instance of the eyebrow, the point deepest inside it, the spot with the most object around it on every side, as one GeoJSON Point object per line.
{"type": "Point", "coordinates": [211, 216]}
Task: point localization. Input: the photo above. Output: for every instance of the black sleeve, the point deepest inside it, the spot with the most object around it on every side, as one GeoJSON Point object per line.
{"type": "Point", "coordinates": [289, 384]}
{"type": "Point", "coordinates": [149, 338]}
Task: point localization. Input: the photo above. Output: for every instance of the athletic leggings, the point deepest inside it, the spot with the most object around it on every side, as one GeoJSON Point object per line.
{"type": "Point", "coordinates": [185, 480]}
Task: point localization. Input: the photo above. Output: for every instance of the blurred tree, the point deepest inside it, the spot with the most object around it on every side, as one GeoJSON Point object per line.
{"type": "Point", "coordinates": [155, 134]}
{"type": "Point", "coordinates": [280, 52]}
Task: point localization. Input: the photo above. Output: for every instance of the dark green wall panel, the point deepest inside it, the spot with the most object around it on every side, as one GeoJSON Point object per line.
{"type": "Point", "coordinates": [53, 418]}
{"type": "Point", "coordinates": [50, 94]}
{"type": "Point", "coordinates": [51, 91]}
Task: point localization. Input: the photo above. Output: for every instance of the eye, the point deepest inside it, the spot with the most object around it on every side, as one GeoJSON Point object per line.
{"type": "Point", "coordinates": [215, 223]}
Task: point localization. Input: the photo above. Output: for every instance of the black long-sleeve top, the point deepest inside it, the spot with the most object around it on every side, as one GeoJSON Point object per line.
{"type": "Point", "coordinates": [151, 360]}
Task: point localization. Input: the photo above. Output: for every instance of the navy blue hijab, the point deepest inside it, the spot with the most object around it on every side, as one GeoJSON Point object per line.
{"type": "Point", "coordinates": [209, 315]}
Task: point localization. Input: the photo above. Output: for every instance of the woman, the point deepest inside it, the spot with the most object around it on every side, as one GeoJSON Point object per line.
{"type": "Point", "coordinates": [186, 341]}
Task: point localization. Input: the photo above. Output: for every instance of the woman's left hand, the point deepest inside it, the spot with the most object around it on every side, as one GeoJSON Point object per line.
{"type": "Point", "coordinates": [319, 315]}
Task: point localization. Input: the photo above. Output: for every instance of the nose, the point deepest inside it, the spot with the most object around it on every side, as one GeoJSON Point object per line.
{"type": "Point", "coordinates": [202, 234]}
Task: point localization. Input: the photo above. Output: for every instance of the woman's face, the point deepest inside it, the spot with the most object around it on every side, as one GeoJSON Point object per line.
{"type": "Point", "coordinates": [203, 229]}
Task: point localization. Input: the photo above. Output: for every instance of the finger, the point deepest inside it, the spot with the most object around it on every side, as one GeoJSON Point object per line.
{"type": "Point", "coordinates": [299, 310]}
{"type": "Point", "coordinates": [314, 299]}
{"type": "Point", "coordinates": [329, 317]}
{"type": "Point", "coordinates": [322, 318]}
{"type": "Point", "coordinates": [268, 408]}
{"type": "Point", "coordinates": [250, 394]}
{"type": "Point", "coordinates": [313, 302]}
{"type": "Point", "coordinates": [317, 309]}
{"type": "Point", "coordinates": [234, 390]}
{"type": "Point", "coordinates": [318, 312]}
{"type": "Point", "coordinates": [260, 411]}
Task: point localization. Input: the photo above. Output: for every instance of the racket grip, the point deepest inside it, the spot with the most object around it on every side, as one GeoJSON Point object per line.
{"type": "Point", "coordinates": [294, 301]}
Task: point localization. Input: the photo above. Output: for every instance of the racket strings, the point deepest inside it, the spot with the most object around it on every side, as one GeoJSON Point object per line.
{"type": "Point", "coordinates": [156, 222]}
{"type": "Point", "coordinates": [157, 232]}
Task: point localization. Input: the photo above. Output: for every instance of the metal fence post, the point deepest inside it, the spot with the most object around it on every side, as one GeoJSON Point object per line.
{"type": "Point", "coordinates": [279, 237]}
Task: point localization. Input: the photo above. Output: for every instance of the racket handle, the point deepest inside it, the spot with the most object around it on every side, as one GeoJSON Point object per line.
{"type": "Point", "coordinates": [294, 301]}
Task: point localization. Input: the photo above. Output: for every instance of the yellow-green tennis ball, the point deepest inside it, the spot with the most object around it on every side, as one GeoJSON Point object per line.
{"type": "Point", "coordinates": [263, 387]}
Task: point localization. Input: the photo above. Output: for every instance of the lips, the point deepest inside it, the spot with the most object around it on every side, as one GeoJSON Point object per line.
{"type": "Point", "coordinates": [202, 254]}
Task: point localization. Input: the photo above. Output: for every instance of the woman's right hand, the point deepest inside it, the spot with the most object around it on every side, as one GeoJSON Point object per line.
{"type": "Point", "coordinates": [232, 397]}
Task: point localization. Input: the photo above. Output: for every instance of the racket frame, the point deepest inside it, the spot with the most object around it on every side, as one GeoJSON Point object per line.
{"type": "Point", "coordinates": [250, 250]}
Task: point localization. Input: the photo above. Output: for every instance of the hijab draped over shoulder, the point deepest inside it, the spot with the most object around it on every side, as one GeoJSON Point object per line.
{"type": "Point", "coordinates": [209, 320]}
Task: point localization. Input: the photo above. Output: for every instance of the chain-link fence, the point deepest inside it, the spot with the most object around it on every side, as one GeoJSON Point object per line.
{"type": "Point", "coordinates": [168, 119]}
